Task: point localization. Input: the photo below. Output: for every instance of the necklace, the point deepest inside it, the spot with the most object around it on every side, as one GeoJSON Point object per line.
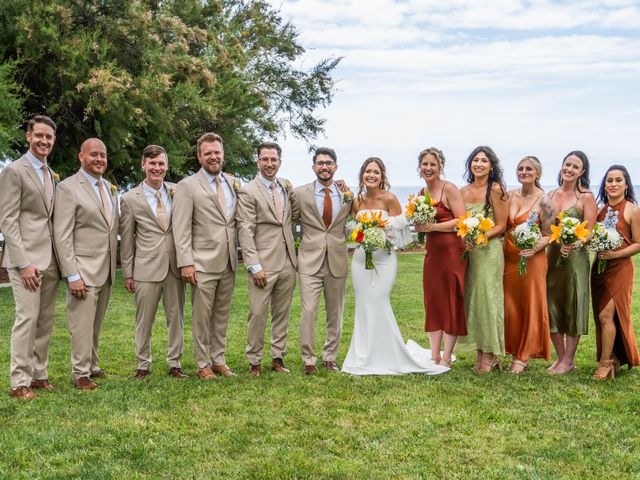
{"type": "Point", "coordinates": [528, 194]}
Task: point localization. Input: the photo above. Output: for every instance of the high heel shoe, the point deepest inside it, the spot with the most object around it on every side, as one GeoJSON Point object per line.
{"type": "Point", "coordinates": [490, 366]}
{"type": "Point", "coordinates": [518, 366]}
{"type": "Point", "coordinates": [606, 369]}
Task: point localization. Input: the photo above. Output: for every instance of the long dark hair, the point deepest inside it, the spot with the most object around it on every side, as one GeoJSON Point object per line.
{"type": "Point", "coordinates": [583, 181]}
{"type": "Point", "coordinates": [495, 174]}
{"type": "Point", "coordinates": [629, 194]}
{"type": "Point", "coordinates": [384, 181]}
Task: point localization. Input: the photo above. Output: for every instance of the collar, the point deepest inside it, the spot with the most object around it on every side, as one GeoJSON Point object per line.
{"type": "Point", "coordinates": [319, 188]}
{"type": "Point", "coordinates": [212, 178]}
{"type": "Point", "coordinates": [90, 178]}
{"type": "Point", "coordinates": [267, 183]}
{"type": "Point", "coordinates": [146, 187]}
{"type": "Point", "coordinates": [35, 161]}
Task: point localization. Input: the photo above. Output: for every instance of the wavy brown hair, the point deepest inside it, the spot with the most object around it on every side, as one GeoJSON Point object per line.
{"type": "Point", "coordinates": [384, 181]}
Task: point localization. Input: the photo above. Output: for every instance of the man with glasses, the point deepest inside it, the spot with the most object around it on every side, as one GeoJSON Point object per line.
{"type": "Point", "coordinates": [266, 238]}
{"type": "Point", "coordinates": [322, 209]}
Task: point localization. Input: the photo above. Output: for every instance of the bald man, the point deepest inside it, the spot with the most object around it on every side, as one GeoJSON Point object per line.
{"type": "Point", "coordinates": [85, 230]}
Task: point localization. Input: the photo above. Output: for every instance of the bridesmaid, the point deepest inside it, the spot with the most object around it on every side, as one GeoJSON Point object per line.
{"type": "Point", "coordinates": [611, 290]}
{"type": "Point", "coordinates": [444, 268]}
{"type": "Point", "coordinates": [484, 297]}
{"type": "Point", "coordinates": [526, 320]}
{"type": "Point", "coordinates": [568, 284]}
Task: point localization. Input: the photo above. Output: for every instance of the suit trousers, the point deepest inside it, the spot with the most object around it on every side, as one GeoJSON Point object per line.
{"type": "Point", "coordinates": [85, 321]}
{"type": "Point", "coordinates": [211, 306]}
{"type": "Point", "coordinates": [310, 288]}
{"type": "Point", "coordinates": [278, 293]}
{"type": "Point", "coordinates": [148, 294]}
{"type": "Point", "coordinates": [31, 333]}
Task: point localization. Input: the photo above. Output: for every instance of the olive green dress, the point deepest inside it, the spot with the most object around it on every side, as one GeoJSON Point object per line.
{"type": "Point", "coordinates": [484, 296]}
{"type": "Point", "coordinates": [568, 288]}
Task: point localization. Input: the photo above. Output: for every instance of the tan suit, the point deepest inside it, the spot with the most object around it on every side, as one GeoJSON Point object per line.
{"type": "Point", "coordinates": [87, 246]}
{"type": "Point", "coordinates": [322, 265]}
{"type": "Point", "coordinates": [206, 238]}
{"type": "Point", "coordinates": [26, 224]}
{"type": "Point", "coordinates": [267, 240]}
{"type": "Point", "coordinates": [148, 255]}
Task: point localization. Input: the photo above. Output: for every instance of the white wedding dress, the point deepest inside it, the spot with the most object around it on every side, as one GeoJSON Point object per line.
{"type": "Point", "coordinates": [377, 347]}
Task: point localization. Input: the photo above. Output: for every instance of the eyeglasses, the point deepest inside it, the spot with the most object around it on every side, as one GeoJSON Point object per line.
{"type": "Point", "coordinates": [325, 164]}
{"type": "Point", "coordinates": [269, 159]}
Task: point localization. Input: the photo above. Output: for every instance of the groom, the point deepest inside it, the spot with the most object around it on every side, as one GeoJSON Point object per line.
{"type": "Point", "coordinates": [322, 209]}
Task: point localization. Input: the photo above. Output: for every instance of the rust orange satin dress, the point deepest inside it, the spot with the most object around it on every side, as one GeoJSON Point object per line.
{"type": "Point", "coordinates": [616, 282]}
{"type": "Point", "coordinates": [526, 318]}
{"type": "Point", "coordinates": [443, 279]}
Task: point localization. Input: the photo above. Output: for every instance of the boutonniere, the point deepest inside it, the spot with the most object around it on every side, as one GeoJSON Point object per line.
{"type": "Point", "coordinates": [347, 197]}
{"type": "Point", "coordinates": [56, 177]}
{"type": "Point", "coordinates": [171, 192]}
{"type": "Point", "coordinates": [288, 186]}
{"type": "Point", "coordinates": [114, 189]}
{"type": "Point", "coordinates": [236, 185]}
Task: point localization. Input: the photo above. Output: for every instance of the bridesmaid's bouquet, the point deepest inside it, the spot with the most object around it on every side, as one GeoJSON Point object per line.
{"type": "Point", "coordinates": [525, 236]}
{"type": "Point", "coordinates": [368, 233]}
{"type": "Point", "coordinates": [604, 236]}
{"type": "Point", "coordinates": [568, 230]}
{"type": "Point", "coordinates": [420, 210]}
{"type": "Point", "coordinates": [473, 228]}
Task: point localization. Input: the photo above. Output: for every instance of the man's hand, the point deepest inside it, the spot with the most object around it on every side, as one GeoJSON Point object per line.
{"type": "Point", "coordinates": [78, 289]}
{"type": "Point", "coordinates": [130, 285]}
{"type": "Point", "coordinates": [259, 279]}
{"type": "Point", "coordinates": [342, 186]}
{"type": "Point", "coordinates": [30, 277]}
{"type": "Point", "coordinates": [188, 274]}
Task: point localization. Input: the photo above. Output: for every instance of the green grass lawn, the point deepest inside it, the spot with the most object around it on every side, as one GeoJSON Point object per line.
{"type": "Point", "coordinates": [457, 425]}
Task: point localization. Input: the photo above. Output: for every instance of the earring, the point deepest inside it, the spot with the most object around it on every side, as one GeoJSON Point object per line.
{"type": "Point", "coordinates": [625, 192]}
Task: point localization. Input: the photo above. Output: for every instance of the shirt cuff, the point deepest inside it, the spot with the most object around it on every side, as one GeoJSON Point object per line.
{"type": "Point", "coordinates": [253, 269]}
{"type": "Point", "coordinates": [73, 278]}
{"type": "Point", "coordinates": [23, 266]}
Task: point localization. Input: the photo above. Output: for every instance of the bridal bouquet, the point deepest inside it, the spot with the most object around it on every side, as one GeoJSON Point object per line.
{"type": "Point", "coordinates": [368, 233]}
{"type": "Point", "coordinates": [568, 230]}
{"type": "Point", "coordinates": [473, 228]}
{"type": "Point", "coordinates": [525, 236]}
{"type": "Point", "coordinates": [420, 210]}
{"type": "Point", "coordinates": [604, 236]}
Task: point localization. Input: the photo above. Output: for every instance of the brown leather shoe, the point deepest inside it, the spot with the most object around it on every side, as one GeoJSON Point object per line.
{"type": "Point", "coordinates": [206, 373]}
{"type": "Point", "coordinates": [83, 383]}
{"type": "Point", "coordinates": [310, 370]}
{"type": "Point", "coordinates": [176, 372]}
{"type": "Point", "coordinates": [42, 385]}
{"type": "Point", "coordinates": [255, 370]}
{"type": "Point", "coordinates": [223, 370]}
{"type": "Point", "coordinates": [98, 373]}
{"type": "Point", "coordinates": [140, 374]}
{"type": "Point", "coordinates": [331, 366]}
{"type": "Point", "coordinates": [277, 365]}
{"type": "Point", "coordinates": [23, 393]}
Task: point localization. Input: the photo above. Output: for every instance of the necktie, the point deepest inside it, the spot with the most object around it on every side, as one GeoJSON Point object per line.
{"type": "Point", "coordinates": [221, 198]}
{"type": "Point", "coordinates": [161, 212]}
{"type": "Point", "coordinates": [48, 188]}
{"type": "Point", "coordinates": [106, 205]}
{"type": "Point", "coordinates": [277, 201]}
{"type": "Point", "coordinates": [327, 211]}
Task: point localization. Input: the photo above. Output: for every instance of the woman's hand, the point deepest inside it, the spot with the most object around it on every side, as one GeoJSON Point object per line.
{"type": "Point", "coordinates": [607, 255]}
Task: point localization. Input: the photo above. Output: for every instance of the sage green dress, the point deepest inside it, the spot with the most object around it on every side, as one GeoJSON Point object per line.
{"type": "Point", "coordinates": [568, 288]}
{"type": "Point", "coordinates": [484, 296]}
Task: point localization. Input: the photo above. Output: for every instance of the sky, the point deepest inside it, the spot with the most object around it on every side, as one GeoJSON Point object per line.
{"type": "Point", "coordinates": [524, 77]}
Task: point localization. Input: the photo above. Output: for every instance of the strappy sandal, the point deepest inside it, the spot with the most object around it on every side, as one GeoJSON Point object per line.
{"type": "Point", "coordinates": [519, 365]}
{"type": "Point", "coordinates": [606, 369]}
{"type": "Point", "coordinates": [488, 367]}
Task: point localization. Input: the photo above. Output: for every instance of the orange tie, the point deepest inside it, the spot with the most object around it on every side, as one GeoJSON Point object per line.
{"type": "Point", "coordinates": [327, 211]}
{"type": "Point", "coordinates": [106, 205]}
{"type": "Point", "coordinates": [277, 201]}
{"type": "Point", "coordinates": [48, 188]}
{"type": "Point", "coordinates": [161, 212]}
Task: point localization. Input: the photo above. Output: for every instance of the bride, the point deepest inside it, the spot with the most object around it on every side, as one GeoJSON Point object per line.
{"type": "Point", "coordinates": [377, 347]}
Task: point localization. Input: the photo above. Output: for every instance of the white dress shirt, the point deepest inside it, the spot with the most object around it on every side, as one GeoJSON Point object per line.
{"type": "Point", "coordinates": [336, 203]}
{"type": "Point", "coordinates": [37, 165]}
{"type": "Point", "coordinates": [228, 194]}
{"type": "Point", "coordinates": [150, 195]}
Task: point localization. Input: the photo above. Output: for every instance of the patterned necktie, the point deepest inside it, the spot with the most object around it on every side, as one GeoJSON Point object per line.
{"type": "Point", "coordinates": [161, 212]}
{"type": "Point", "coordinates": [327, 211]}
{"type": "Point", "coordinates": [277, 201]}
{"type": "Point", "coordinates": [106, 205]}
{"type": "Point", "coordinates": [221, 198]}
{"type": "Point", "coordinates": [48, 188]}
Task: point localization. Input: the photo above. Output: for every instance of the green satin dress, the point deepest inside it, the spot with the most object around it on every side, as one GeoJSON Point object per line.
{"type": "Point", "coordinates": [484, 295]}
{"type": "Point", "coordinates": [568, 288]}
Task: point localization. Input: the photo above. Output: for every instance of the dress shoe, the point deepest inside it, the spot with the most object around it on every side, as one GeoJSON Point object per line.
{"type": "Point", "coordinates": [310, 370]}
{"type": "Point", "coordinates": [331, 366]}
{"type": "Point", "coordinates": [140, 374]}
{"type": "Point", "coordinates": [176, 372]}
{"type": "Point", "coordinates": [42, 385]}
{"type": "Point", "coordinates": [255, 370]}
{"type": "Point", "coordinates": [206, 373]}
{"type": "Point", "coordinates": [223, 370]}
{"type": "Point", "coordinates": [277, 365]}
{"type": "Point", "coordinates": [97, 373]}
{"type": "Point", "coordinates": [23, 392]}
{"type": "Point", "coordinates": [83, 383]}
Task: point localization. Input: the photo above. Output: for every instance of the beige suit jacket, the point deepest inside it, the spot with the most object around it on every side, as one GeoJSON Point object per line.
{"type": "Point", "coordinates": [25, 221]}
{"type": "Point", "coordinates": [147, 251]}
{"type": "Point", "coordinates": [86, 245]}
{"type": "Point", "coordinates": [264, 238]}
{"type": "Point", "coordinates": [204, 236]}
{"type": "Point", "coordinates": [318, 241]}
